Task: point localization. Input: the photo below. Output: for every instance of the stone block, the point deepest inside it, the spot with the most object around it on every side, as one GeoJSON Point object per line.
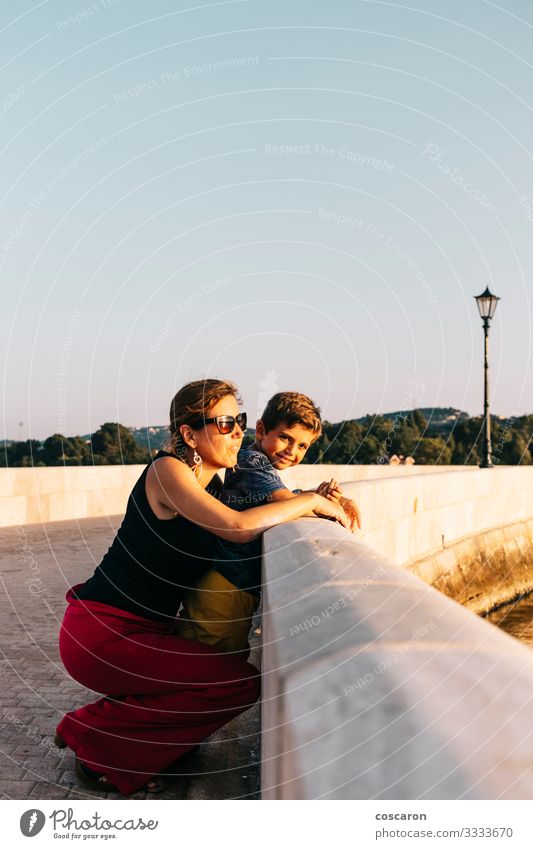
{"type": "Point", "coordinates": [7, 482]}
{"type": "Point", "coordinates": [67, 504]}
{"type": "Point", "coordinates": [12, 510]}
{"type": "Point", "coordinates": [39, 481]}
{"type": "Point", "coordinates": [37, 509]}
{"type": "Point", "coordinates": [15, 789]}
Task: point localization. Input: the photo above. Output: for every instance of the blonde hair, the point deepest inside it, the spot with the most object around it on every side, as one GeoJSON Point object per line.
{"type": "Point", "coordinates": [192, 403]}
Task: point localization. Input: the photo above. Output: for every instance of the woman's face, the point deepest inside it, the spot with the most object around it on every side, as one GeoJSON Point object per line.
{"type": "Point", "coordinates": [216, 449]}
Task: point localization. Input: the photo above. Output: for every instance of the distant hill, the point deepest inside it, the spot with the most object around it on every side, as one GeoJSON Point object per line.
{"type": "Point", "coordinates": [439, 419]}
{"type": "Point", "coordinates": [153, 437]}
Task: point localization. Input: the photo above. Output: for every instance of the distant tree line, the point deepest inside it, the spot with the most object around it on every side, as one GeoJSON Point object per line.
{"type": "Point", "coordinates": [371, 440]}
{"type": "Point", "coordinates": [111, 444]}
{"type": "Point", "coordinates": [375, 439]}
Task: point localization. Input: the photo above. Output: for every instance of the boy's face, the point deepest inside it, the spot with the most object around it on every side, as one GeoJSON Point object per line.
{"type": "Point", "coordinates": [283, 445]}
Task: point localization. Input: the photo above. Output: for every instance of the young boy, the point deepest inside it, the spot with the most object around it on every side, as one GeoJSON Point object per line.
{"type": "Point", "coordinates": [219, 610]}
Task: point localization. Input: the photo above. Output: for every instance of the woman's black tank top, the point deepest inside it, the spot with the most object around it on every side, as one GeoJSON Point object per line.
{"type": "Point", "coordinates": [151, 562]}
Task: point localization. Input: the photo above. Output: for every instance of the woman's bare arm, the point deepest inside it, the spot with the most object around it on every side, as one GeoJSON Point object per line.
{"type": "Point", "coordinates": [173, 485]}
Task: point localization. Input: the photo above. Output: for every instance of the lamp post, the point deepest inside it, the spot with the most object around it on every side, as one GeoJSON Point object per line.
{"type": "Point", "coordinates": [486, 303]}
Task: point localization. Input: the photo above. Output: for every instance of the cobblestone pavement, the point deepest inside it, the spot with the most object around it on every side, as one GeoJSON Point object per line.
{"type": "Point", "coordinates": [39, 563]}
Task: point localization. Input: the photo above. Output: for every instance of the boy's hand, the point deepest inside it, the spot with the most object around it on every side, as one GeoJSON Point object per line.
{"type": "Point", "coordinates": [330, 489]}
{"type": "Point", "coordinates": [352, 511]}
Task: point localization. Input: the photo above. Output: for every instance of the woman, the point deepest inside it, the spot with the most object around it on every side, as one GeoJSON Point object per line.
{"type": "Point", "coordinates": [164, 694]}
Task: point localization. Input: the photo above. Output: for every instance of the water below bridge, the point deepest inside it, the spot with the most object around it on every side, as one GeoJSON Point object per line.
{"type": "Point", "coordinates": [516, 619]}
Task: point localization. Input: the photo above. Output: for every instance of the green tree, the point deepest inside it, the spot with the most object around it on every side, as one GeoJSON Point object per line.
{"type": "Point", "coordinates": [468, 436]}
{"type": "Point", "coordinates": [345, 443]}
{"type": "Point", "coordinates": [59, 450]}
{"type": "Point", "coordinates": [369, 450]}
{"type": "Point", "coordinates": [406, 438]}
{"type": "Point", "coordinates": [433, 450]}
{"type": "Point", "coordinates": [55, 449]}
{"type": "Point", "coordinates": [515, 451]}
{"type": "Point", "coordinates": [419, 420]}
{"type": "Point", "coordinates": [322, 449]}
{"type": "Point", "coordinates": [25, 453]}
{"type": "Point", "coordinates": [80, 452]}
{"type": "Point", "coordinates": [114, 444]}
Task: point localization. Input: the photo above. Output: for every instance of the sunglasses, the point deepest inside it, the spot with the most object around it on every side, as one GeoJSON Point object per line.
{"type": "Point", "coordinates": [225, 424]}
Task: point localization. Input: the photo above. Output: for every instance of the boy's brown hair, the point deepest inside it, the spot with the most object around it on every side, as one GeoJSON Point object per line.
{"type": "Point", "coordinates": [293, 408]}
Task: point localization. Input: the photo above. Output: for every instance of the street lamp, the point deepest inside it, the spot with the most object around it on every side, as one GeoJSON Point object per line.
{"type": "Point", "coordinates": [486, 303]}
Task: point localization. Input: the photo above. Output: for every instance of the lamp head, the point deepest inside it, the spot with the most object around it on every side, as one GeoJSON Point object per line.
{"type": "Point", "coordinates": [486, 304]}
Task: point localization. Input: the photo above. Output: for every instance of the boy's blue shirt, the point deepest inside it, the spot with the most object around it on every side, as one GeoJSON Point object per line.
{"type": "Point", "coordinates": [248, 484]}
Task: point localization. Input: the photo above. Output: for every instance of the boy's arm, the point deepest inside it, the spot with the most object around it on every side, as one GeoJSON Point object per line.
{"type": "Point", "coordinates": [260, 478]}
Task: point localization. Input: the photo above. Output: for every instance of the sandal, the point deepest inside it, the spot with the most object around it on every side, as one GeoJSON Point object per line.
{"type": "Point", "coordinates": [94, 780]}
{"type": "Point", "coordinates": [98, 781]}
{"type": "Point", "coordinates": [155, 785]}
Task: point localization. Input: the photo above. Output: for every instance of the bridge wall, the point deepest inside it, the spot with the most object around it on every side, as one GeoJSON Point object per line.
{"type": "Point", "coordinates": [81, 492]}
{"type": "Point", "coordinates": [28, 496]}
{"type": "Point", "coordinates": [377, 686]}
{"type": "Point", "coordinates": [468, 533]}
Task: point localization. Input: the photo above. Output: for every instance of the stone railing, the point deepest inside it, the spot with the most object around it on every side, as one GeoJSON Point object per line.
{"type": "Point", "coordinates": [28, 496]}
{"type": "Point", "coordinates": [468, 533]}
{"type": "Point", "coordinates": [376, 685]}
{"type": "Point", "coordinates": [80, 492]}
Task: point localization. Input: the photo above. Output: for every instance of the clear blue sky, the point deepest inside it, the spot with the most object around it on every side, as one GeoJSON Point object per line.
{"type": "Point", "coordinates": [291, 195]}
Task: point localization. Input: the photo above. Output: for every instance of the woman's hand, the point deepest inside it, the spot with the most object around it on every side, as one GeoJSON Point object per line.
{"type": "Point", "coordinates": [352, 511]}
{"type": "Point", "coordinates": [332, 491]}
{"type": "Point", "coordinates": [332, 510]}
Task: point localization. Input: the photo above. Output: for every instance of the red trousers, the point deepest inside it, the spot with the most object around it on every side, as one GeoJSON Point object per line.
{"type": "Point", "coordinates": [164, 694]}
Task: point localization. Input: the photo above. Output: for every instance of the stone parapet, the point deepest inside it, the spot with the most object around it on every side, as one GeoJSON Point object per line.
{"type": "Point", "coordinates": [409, 518]}
{"type": "Point", "coordinates": [378, 686]}
{"type": "Point", "coordinates": [52, 494]}
{"type": "Point", "coordinates": [29, 496]}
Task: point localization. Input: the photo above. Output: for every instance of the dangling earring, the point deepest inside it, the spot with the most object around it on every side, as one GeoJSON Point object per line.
{"type": "Point", "coordinates": [197, 464]}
